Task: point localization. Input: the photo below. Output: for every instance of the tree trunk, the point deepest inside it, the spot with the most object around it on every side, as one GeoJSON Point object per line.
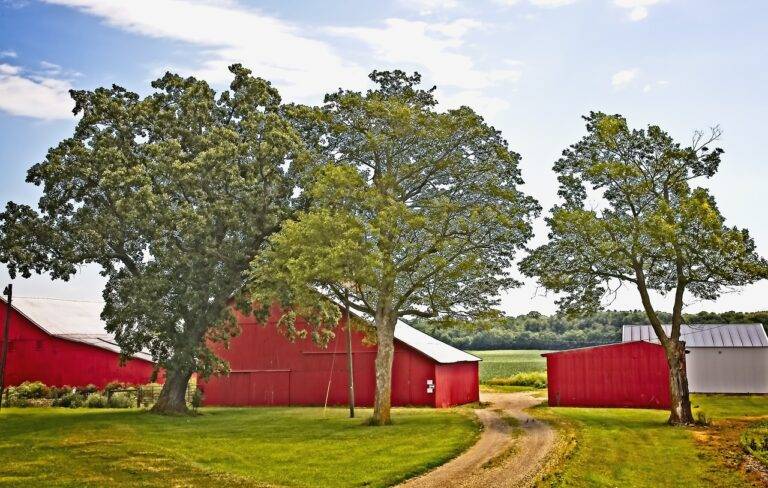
{"type": "Point", "coordinates": [385, 335]}
{"type": "Point", "coordinates": [680, 408]}
{"type": "Point", "coordinates": [172, 398]}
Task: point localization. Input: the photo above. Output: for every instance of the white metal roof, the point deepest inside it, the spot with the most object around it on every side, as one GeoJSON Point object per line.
{"type": "Point", "coordinates": [75, 320]}
{"type": "Point", "coordinates": [704, 335]}
{"type": "Point", "coordinates": [429, 346]}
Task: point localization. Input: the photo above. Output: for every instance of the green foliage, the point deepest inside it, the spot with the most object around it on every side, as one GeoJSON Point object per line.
{"type": "Point", "coordinates": [64, 448]}
{"type": "Point", "coordinates": [172, 194]}
{"type": "Point", "coordinates": [415, 213]}
{"type": "Point", "coordinates": [29, 390]}
{"type": "Point", "coordinates": [535, 379]}
{"type": "Point", "coordinates": [96, 400]}
{"type": "Point", "coordinates": [69, 400]}
{"type": "Point", "coordinates": [754, 440]}
{"type": "Point", "coordinates": [653, 230]}
{"type": "Point", "coordinates": [197, 398]}
{"type": "Point", "coordinates": [120, 400]}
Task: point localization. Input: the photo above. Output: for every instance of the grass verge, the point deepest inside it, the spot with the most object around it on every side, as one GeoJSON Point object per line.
{"type": "Point", "coordinates": [225, 447]}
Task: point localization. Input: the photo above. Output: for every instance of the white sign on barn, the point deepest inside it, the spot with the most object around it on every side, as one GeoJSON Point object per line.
{"type": "Point", "coordinates": [722, 358]}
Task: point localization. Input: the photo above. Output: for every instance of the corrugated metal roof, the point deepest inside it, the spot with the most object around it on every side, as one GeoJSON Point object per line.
{"type": "Point", "coordinates": [74, 320]}
{"type": "Point", "coordinates": [704, 335]}
{"type": "Point", "coordinates": [429, 346]}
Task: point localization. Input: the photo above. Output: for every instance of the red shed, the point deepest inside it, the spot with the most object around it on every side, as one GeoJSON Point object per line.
{"type": "Point", "coordinates": [630, 374]}
{"type": "Point", "coordinates": [63, 342]}
{"type": "Point", "coordinates": [267, 369]}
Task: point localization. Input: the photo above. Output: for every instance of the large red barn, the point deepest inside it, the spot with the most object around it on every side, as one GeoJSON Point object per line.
{"type": "Point", "coordinates": [63, 342]}
{"type": "Point", "coordinates": [630, 374]}
{"type": "Point", "coordinates": [267, 369]}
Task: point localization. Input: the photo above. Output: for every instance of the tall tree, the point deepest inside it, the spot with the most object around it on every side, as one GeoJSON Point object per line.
{"type": "Point", "coordinates": [632, 215]}
{"type": "Point", "coordinates": [172, 195]}
{"type": "Point", "coordinates": [417, 213]}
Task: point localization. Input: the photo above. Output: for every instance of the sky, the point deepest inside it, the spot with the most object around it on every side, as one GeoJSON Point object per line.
{"type": "Point", "coordinates": [532, 68]}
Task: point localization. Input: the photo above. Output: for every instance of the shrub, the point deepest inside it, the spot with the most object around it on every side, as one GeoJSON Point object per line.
{"type": "Point", "coordinates": [18, 402]}
{"type": "Point", "coordinates": [60, 391]}
{"type": "Point", "coordinates": [87, 389]}
{"type": "Point", "coordinates": [71, 400]}
{"type": "Point", "coordinates": [754, 440]}
{"type": "Point", "coordinates": [115, 385]}
{"type": "Point", "coordinates": [31, 389]}
{"type": "Point", "coordinates": [120, 400]}
{"type": "Point", "coordinates": [535, 379]}
{"type": "Point", "coordinates": [96, 400]}
{"type": "Point", "coordinates": [197, 398]}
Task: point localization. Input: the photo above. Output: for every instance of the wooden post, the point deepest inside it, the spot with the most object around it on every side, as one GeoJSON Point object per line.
{"type": "Point", "coordinates": [349, 358]}
{"type": "Point", "coordinates": [6, 330]}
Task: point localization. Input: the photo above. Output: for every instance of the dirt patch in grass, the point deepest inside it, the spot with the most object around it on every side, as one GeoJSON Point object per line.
{"type": "Point", "coordinates": [722, 441]}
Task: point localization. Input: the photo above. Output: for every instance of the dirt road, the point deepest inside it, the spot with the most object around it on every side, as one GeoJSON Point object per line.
{"type": "Point", "coordinates": [499, 458]}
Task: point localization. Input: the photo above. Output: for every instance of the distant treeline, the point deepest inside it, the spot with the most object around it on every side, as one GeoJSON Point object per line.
{"type": "Point", "coordinates": [536, 331]}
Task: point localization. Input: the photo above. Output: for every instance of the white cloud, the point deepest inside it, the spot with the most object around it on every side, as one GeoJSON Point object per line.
{"type": "Point", "coordinates": [8, 54]}
{"type": "Point", "coordinates": [551, 3]}
{"type": "Point", "coordinates": [427, 7]}
{"type": "Point", "coordinates": [624, 77]}
{"type": "Point", "coordinates": [638, 9]}
{"type": "Point", "coordinates": [7, 69]}
{"type": "Point", "coordinates": [538, 3]}
{"type": "Point", "coordinates": [653, 86]}
{"type": "Point", "coordinates": [34, 96]}
{"type": "Point", "coordinates": [432, 48]}
{"type": "Point", "coordinates": [301, 67]}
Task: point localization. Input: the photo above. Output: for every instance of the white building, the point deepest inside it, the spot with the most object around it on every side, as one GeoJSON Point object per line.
{"type": "Point", "coordinates": [722, 358]}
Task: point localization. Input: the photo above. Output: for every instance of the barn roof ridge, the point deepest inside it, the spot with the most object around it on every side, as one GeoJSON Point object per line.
{"type": "Point", "coordinates": [704, 335]}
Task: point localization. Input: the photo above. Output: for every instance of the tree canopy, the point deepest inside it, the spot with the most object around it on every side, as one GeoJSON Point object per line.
{"type": "Point", "coordinates": [415, 213]}
{"type": "Point", "coordinates": [632, 215]}
{"type": "Point", "coordinates": [172, 195]}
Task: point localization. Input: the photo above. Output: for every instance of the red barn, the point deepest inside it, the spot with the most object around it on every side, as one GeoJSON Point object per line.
{"type": "Point", "coordinates": [267, 369]}
{"type": "Point", "coordinates": [63, 342]}
{"type": "Point", "coordinates": [630, 374]}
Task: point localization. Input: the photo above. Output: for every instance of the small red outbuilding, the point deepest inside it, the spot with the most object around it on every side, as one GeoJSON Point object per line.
{"type": "Point", "coordinates": [267, 369]}
{"type": "Point", "coordinates": [630, 374]}
{"type": "Point", "coordinates": [63, 342]}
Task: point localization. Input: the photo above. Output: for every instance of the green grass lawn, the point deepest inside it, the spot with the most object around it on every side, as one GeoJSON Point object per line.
{"type": "Point", "coordinates": [224, 447]}
{"type": "Point", "coordinates": [635, 448]}
{"type": "Point", "coordinates": [505, 363]}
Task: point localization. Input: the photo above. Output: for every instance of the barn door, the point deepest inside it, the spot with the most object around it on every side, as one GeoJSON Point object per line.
{"type": "Point", "coordinates": [270, 388]}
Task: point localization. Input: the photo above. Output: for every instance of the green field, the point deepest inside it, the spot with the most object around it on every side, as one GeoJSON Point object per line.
{"type": "Point", "coordinates": [635, 448]}
{"type": "Point", "coordinates": [224, 447]}
{"type": "Point", "coordinates": [505, 363]}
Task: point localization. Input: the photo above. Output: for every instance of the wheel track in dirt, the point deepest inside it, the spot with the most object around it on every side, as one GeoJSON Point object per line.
{"type": "Point", "coordinates": [489, 462]}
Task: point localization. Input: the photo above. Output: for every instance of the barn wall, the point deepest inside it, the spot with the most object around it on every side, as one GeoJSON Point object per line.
{"type": "Point", "coordinates": [456, 384]}
{"type": "Point", "coordinates": [33, 355]}
{"type": "Point", "coordinates": [267, 369]}
{"type": "Point", "coordinates": [631, 374]}
{"type": "Point", "coordinates": [727, 369]}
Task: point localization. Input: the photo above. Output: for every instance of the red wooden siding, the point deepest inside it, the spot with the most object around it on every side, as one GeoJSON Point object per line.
{"type": "Point", "coordinates": [632, 374]}
{"type": "Point", "coordinates": [267, 369]}
{"type": "Point", "coordinates": [34, 355]}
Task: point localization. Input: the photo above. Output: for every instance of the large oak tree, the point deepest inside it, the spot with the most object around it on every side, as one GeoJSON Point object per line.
{"type": "Point", "coordinates": [415, 213]}
{"type": "Point", "coordinates": [632, 214]}
{"type": "Point", "coordinates": [172, 195]}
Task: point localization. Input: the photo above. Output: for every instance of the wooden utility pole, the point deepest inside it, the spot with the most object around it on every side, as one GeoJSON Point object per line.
{"type": "Point", "coordinates": [349, 357]}
{"type": "Point", "coordinates": [6, 328]}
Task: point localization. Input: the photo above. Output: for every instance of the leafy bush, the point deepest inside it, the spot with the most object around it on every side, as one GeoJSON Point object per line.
{"type": "Point", "coordinates": [71, 400]}
{"type": "Point", "coordinates": [87, 389]}
{"type": "Point", "coordinates": [96, 400]}
{"type": "Point", "coordinates": [120, 400]}
{"type": "Point", "coordinates": [31, 389]}
{"type": "Point", "coordinates": [197, 398]}
{"type": "Point", "coordinates": [535, 379]}
{"type": "Point", "coordinates": [60, 391]}
{"type": "Point", "coordinates": [18, 402]}
{"type": "Point", "coordinates": [115, 385]}
{"type": "Point", "coordinates": [754, 440]}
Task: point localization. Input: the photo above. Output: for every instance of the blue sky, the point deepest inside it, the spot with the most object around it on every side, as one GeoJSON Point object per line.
{"type": "Point", "coordinates": [531, 67]}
